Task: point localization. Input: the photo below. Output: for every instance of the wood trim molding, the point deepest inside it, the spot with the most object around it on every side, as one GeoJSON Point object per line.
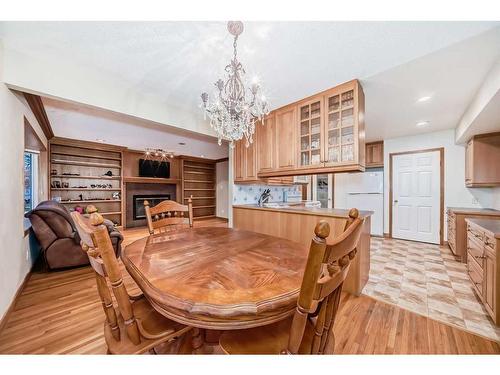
{"type": "Point", "coordinates": [441, 194]}
{"type": "Point", "coordinates": [221, 160]}
{"type": "Point", "coordinates": [31, 139]}
{"type": "Point", "coordinates": [5, 318]}
{"type": "Point", "coordinates": [87, 144]}
{"type": "Point", "coordinates": [36, 105]}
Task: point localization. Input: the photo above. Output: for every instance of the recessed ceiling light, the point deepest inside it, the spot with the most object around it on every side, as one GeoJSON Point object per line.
{"type": "Point", "coordinates": [100, 140]}
{"type": "Point", "coordinates": [202, 156]}
{"type": "Point", "coordinates": [424, 99]}
{"type": "Point", "coordinates": [182, 143]}
{"type": "Point", "coordinates": [422, 123]}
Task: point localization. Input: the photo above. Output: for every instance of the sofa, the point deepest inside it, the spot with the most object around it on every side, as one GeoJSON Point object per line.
{"type": "Point", "coordinates": [55, 230]}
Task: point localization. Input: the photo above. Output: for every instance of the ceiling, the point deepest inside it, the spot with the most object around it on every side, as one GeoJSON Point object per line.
{"type": "Point", "coordinates": [397, 62]}
{"type": "Point", "coordinates": [76, 121]}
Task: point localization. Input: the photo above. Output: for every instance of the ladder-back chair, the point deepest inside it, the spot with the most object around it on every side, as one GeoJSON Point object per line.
{"type": "Point", "coordinates": [137, 327]}
{"type": "Point", "coordinates": [310, 330]}
{"type": "Point", "coordinates": [169, 215]}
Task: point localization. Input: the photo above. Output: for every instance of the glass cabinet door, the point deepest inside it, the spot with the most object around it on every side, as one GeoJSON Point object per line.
{"type": "Point", "coordinates": [310, 133]}
{"type": "Point", "coordinates": [340, 127]}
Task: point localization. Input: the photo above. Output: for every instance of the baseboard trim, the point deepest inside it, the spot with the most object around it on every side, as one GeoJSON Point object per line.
{"type": "Point", "coordinates": [6, 316]}
{"type": "Point", "coordinates": [387, 235]}
{"type": "Point", "coordinates": [222, 218]}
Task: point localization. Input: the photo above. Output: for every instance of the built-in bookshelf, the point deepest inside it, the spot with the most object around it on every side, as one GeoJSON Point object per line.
{"type": "Point", "coordinates": [199, 183]}
{"type": "Point", "coordinates": [87, 173]}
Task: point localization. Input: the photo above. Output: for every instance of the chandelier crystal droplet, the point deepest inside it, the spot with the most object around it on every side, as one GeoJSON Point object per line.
{"type": "Point", "coordinates": [235, 109]}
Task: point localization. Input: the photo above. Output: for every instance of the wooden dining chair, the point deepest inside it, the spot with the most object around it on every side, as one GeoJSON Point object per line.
{"type": "Point", "coordinates": [310, 330]}
{"type": "Point", "coordinates": [169, 215]}
{"type": "Point", "coordinates": [137, 327]}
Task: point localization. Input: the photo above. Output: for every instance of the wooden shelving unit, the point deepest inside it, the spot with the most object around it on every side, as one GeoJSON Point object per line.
{"type": "Point", "coordinates": [79, 163]}
{"type": "Point", "coordinates": [198, 182]}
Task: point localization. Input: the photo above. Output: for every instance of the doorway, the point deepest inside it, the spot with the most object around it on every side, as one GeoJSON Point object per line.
{"type": "Point", "coordinates": [416, 195]}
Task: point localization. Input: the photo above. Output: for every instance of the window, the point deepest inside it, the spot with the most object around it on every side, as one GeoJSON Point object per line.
{"type": "Point", "coordinates": [30, 180]}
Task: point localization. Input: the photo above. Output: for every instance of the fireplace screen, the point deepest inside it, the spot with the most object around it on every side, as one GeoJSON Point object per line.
{"type": "Point", "coordinates": [139, 212]}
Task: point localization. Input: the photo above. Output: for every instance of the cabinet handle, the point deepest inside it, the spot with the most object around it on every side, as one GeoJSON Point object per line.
{"type": "Point", "coordinates": [479, 256]}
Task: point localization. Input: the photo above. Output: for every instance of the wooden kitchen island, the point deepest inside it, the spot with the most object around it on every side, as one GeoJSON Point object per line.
{"type": "Point", "coordinates": [297, 224]}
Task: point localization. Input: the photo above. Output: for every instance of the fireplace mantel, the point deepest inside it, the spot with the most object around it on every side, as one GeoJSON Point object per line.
{"type": "Point", "coordinates": [152, 180]}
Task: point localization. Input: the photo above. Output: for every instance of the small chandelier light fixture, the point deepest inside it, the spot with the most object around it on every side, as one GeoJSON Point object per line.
{"type": "Point", "coordinates": [235, 109]}
{"type": "Point", "coordinates": [157, 154]}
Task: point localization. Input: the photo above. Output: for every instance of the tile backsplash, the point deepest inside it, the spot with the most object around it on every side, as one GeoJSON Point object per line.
{"type": "Point", "coordinates": [249, 194]}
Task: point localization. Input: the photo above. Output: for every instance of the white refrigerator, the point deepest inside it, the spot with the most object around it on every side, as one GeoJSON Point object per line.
{"type": "Point", "coordinates": [364, 191]}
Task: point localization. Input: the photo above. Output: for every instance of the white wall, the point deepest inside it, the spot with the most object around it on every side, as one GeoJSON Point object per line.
{"type": "Point", "coordinates": [222, 171]}
{"type": "Point", "coordinates": [14, 252]}
{"type": "Point", "coordinates": [455, 192]}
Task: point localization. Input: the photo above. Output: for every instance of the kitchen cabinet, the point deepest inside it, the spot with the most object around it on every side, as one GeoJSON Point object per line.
{"type": "Point", "coordinates": [285, 138]}
{"type": "Point", "coordinates": [457, 227]}
{"type": "Point", "coordinates": [328, 135]}
{"type": "Point", "coordinates": [265, 138]}
{"type": "Point", "coordinates": [247, 162]}
{"type": "Point", "coordinates": [374, 154]}
{"type": "Point", "coordinates": [310, 130]}
{"type": "Point", "coordinates": [483, 244]}
{"type": "Point", "coordinates": [482, 152]}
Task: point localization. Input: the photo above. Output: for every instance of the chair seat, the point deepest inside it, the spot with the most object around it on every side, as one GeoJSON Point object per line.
{"type": "Point", "coordinates": [270, 339]}
{"type": "Point", "coordinates": [154, 327]}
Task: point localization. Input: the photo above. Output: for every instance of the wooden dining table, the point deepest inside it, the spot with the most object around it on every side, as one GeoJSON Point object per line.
{"type": "Point", "coordinates": [218, 278]}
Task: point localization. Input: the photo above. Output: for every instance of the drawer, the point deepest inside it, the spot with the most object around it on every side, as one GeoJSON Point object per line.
{"type": "Point", "coordinates": [475, 274]}
{"type": "Point", "coordinates": [490, 243]}
{"type": "Point", "coordinates": [476, 251]}
{"type": "Point", "coordinates": [475, 234]}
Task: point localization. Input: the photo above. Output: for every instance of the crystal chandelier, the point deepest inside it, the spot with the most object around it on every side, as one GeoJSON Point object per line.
{"type": "Point", "coordinates": [235, 108]}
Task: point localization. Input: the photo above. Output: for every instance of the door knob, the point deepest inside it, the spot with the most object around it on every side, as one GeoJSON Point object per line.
{"type": "Point", "coordinates": [396, 201]}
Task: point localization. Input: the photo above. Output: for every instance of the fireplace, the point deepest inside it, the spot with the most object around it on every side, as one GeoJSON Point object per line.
{"type": "Point", "coordinates": [153, 199]}
{"type": "Point", "coordinates": [135, 195]}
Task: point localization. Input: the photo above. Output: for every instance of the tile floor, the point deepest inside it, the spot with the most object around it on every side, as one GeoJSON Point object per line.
{"type": "Point", "coordinates": [427, 280]}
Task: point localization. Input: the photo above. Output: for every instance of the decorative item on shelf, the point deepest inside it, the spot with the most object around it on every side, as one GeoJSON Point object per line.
{"type": "Point", "coordinates": [53, 172]}
{"type": "Point", "coordinates": [56, 199]}
{"type": "Point", "coordinates": [109, 174]}
{"type": "Point", "coordinates": [80, 196]}
{"type": "Point", "coordinates": [70, 174]}
{"type": "Point", "coordinates": [65, 185]}
{"type": "Point", "coordinates": [157, 154]}
{"type": "Point", "coordinates": [79, 209]}
{"type": "Point", "coordinates": [116, 195]}
{"type": "Point", "coordinates": [90, 209]}
{"type": "Point", "coordinates": [235, 108]}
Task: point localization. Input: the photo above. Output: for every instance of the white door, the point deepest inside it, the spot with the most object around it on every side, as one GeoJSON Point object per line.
{"type": "Point", "coordinates": [323, 189]}
{"type": "Point", "coordinates": [416, 196]}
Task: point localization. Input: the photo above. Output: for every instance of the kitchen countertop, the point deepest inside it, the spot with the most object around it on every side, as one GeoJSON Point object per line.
{"type": "Point", "coordinates": [489, 225]}
{"type": "Point", "coordinates": [472, 211]}
{"type": "Point", "coordinates": [330, 212]}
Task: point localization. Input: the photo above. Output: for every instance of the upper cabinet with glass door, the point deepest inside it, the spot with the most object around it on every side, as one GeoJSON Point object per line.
{"type": "Point", "coordinates": [330, 133]}
{"type": "Point", "coordinates": [310, 118]}
{"type": "Point", "coordinates": [332, 130]}
{"type": "Point", "coordinates": [344, 140]}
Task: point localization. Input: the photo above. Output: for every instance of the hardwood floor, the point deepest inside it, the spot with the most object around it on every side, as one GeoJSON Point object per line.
{"type": "Point", "coordinates": [60, 312]}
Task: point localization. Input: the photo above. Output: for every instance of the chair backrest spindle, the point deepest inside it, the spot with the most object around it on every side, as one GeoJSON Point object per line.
{"type": "Point", "coordinates": [326, 269]}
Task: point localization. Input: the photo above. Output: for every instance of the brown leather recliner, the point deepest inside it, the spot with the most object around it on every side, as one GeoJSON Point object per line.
{"type": "Point", "coordinates": [55, 231]}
